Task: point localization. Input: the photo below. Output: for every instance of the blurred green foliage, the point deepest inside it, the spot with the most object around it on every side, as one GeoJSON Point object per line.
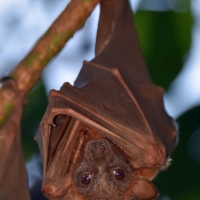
{"type": "Point", "coordinates": [181, 180]}
{"type": "Point", "coordinates": [165, 41]}
{"type": "Point", "coordinates": [32, 115]}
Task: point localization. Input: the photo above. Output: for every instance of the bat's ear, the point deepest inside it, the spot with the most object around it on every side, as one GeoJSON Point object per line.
{"type": "Point", "coordinates": [143, 189]}
{"type": "Point", "coordinates": [146, 173]}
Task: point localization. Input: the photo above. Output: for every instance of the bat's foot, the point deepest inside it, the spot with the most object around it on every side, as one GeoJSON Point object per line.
{"type": "Point", "coordinates": [166, 165]}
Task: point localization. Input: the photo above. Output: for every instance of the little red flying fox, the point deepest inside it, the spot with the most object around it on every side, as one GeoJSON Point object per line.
{"type": "Point", "coordinates": [107, 136]}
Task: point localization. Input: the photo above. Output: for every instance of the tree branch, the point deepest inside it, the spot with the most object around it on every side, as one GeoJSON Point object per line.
{"type": "Point", "coordinates": [27, 73]}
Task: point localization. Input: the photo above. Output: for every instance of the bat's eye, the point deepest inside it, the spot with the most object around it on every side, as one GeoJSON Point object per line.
{"type": "Point", "coordinates": [119, 174]}
{"type": "Point", "coordinates": [86, 179]}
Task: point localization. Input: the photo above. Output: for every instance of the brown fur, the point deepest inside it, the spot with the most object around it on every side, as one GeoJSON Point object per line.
{"type": "Point", "coordinates": [104, 185]}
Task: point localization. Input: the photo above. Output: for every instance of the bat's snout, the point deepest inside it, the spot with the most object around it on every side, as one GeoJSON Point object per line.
{"type": "Point", "coordinates": [98, 148]}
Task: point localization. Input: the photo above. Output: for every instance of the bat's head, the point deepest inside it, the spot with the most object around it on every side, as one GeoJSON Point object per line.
{"type": "Point", "coordinates": [102, 174]}
{"type": "Point", "coordinates": [105, 173]}
{"type": "Point", "coordinates": [83, 164]}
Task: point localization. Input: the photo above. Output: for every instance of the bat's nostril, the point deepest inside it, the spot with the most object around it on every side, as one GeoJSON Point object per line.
{"type": "Point", "coordinates": [91, 146]}
{"type": "Point", "coordinates": [103, 144]}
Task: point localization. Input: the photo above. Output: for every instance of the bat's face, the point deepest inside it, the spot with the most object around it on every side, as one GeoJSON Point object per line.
{"type": "Point", "coordinates": [102, 174]}
{"type": "Point", "coordinates": [97, 167]}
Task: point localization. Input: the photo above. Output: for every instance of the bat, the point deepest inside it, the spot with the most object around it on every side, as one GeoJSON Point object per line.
{"type": "Point", "coordinates": [13, 178]}
{"type": "Point", "coordinates": [107, 136]}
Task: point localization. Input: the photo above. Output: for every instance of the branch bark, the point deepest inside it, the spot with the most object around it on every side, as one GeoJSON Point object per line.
{"type": "Point", "coordinates": [13, 92]}
{"type": "Point", "coordinates": [27, 73]}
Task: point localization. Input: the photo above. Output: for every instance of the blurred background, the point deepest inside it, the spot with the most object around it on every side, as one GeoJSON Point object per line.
{"type": "Point", "coordinates": [169, 34]}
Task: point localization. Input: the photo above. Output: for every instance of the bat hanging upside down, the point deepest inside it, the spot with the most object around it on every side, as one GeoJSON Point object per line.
{"type": "Point", "coordinates": [107, 136]}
